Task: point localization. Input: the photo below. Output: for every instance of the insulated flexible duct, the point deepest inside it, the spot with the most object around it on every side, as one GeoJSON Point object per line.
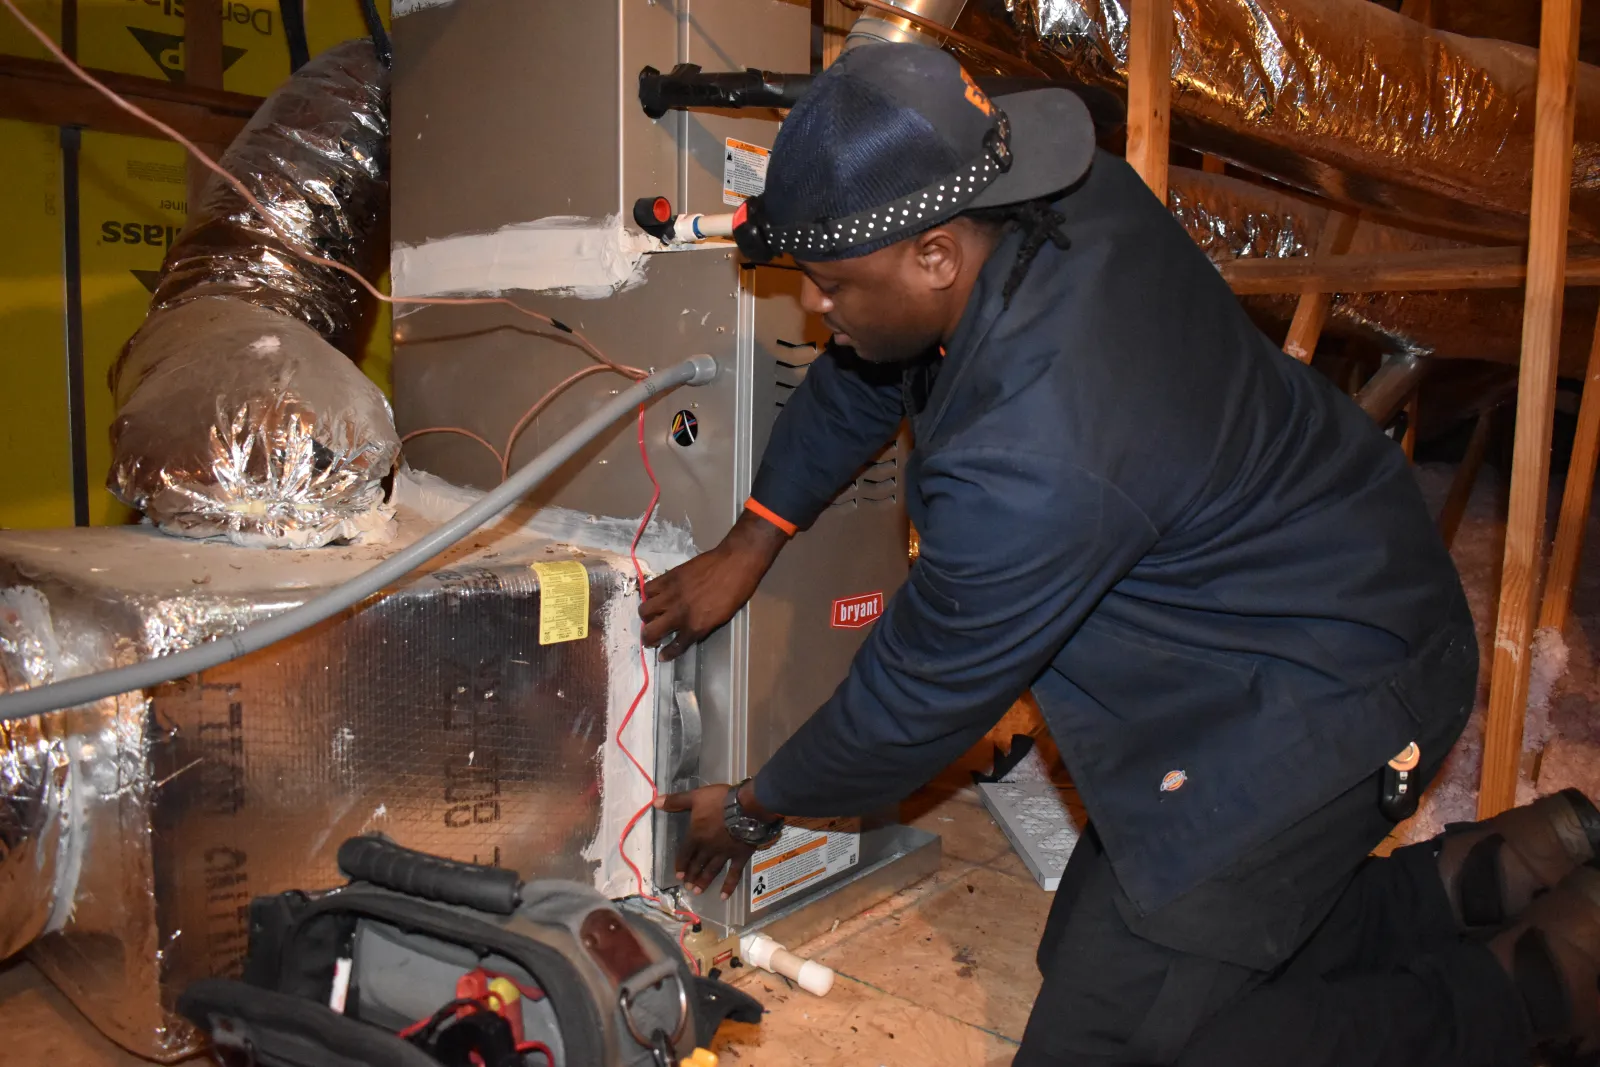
{"type": "Point", "coordinates": [1229, 218]}
{"type": "Point", "coordinates": [1340, 97]}
{"type": "Point", "coordinates": [237, 414]}
{"type": "Point", "coordinates": [698, 370]}
{"type": "Point", "coordinates": [1324, 83]}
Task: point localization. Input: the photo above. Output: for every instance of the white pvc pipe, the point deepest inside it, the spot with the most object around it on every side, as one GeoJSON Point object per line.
{"type": "Point", "coordinates": [689, 228]}
{"type": "Point", "coordinates": [759, 950]}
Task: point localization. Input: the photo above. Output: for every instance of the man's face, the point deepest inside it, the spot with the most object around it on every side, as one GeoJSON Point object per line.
{"type": "Point", "coordinates": [887, 305]}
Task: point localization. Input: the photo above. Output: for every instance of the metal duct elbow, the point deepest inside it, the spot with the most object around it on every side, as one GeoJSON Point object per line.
{"type": "Point", "coordinates": [1341, 97]}
{"type": "Point", "coordinates": [239, 411]}
{"type": "Point", "coordinates": [877, 27]}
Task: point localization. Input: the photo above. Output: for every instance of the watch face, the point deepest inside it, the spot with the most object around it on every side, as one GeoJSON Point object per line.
{"type": "Point", "coordinates": [750, 831]}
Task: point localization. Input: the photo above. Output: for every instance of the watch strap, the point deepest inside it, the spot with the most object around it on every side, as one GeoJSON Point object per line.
{"type": "Point", "coordinates": [745, 827]}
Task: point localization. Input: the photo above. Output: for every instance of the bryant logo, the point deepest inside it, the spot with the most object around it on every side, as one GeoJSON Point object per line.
{"type": "Point", "coordinates": [852, 613]}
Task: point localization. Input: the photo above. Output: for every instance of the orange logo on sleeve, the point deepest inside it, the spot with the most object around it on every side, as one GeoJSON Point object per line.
{"type": "Point", "coordinates": [976, 96]}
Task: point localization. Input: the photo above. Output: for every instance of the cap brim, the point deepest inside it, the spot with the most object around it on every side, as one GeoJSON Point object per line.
{"type": "Point", "coordinates": [1052, 145]}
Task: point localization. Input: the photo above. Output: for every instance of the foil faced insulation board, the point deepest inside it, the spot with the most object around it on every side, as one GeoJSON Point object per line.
{"type": "Point", "coordinates": [433, 715]}
{"type": "Point", "coordinates": [1037, 823]}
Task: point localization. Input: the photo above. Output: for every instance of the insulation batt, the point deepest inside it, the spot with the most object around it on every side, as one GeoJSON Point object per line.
{"type": "Point", "coordinates": [1561, 738]}
{"type": "Point", "coordinates": [237, 414]}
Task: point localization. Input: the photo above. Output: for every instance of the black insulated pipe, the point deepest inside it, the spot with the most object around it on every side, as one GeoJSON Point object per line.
{"type": "Point", "coordinates": [381, 862]}
{"type": "Point", "coordinates": [687, 86]}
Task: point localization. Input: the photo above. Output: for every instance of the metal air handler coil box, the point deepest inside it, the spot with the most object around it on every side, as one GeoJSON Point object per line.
{"type": "Point", "coordinates": [509, 112]}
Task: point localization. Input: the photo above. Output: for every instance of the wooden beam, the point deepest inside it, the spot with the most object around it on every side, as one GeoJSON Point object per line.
{"type": "Point", "coordinates": [1447, 268]}
{"type": "Point", "coordinates": [1213, 164]}
{"type": "Point", "coordinates": [1461, 486]}
{"type": "Point", "coordinates": [1575, 500]}
{"type": "Point", "coordinates": [836, 20]}
{"type": "Point", "coordinates": [1150, 91]}
{"type": "Point", "coordinates": [1311, 313]}
{"type": "Point", "coordinates": [202, 68]}
{"type": "Point", "coordinates": [43, 91]}
{"type": "Point", "coordinates": [202, 45]}
{"type": "Point", "coordinates": [1536, 395]}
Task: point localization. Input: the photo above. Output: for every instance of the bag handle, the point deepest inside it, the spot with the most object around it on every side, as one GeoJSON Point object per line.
{"type": "Point", "coordinates": [381, 862]}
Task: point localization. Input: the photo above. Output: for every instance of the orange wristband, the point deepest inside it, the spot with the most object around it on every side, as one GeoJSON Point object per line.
{"type": "Point", "coordinates": [756, 507]}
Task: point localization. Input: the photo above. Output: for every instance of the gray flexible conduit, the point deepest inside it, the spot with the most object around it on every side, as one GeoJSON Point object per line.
{"type": "Point", "coordinates": [697, 370]}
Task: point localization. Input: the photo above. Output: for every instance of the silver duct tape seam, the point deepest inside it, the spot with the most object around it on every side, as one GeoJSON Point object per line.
{"type": "Point", "coordinates": [237, 415]}
{"type": "Point", "coordinates": [434, 715]}
{"type": "Point", "coordinates": [1341, 97]}
{"type": "Point", "coordinates": [41, 842]}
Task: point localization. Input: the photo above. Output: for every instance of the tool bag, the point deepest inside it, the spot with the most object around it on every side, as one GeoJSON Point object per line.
{"type": "Point", "coordinates": [422, 961]}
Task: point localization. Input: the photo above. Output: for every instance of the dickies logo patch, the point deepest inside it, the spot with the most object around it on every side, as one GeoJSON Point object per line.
{"type": "Point", "coordinates": [852, 613]}
{"type": "Point", "coordinates": [1173, 781]}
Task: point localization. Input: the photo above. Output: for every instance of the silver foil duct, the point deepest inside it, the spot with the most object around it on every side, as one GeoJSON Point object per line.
{"type": "Point", "coordinates": [237, 415]}
{"type": "Point", "coordinates": [1229, 218]}
{"type": "Point", "coordinates": [238, 421]}
{"type": "Point", "coordinates": [1341, 97]}
{"type": "Point", "coordinates": [316, 155]}
{"type": "Point", "coordinates": [39, 783]}
{"type": "Point", "coordinates": [134, 833]}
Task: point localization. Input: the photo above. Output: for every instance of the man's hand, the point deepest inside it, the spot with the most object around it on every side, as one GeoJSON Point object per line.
{"type": "Point", "coordinates": [708, 846]}
{"type": "Point", "coordinates": [691, 600]}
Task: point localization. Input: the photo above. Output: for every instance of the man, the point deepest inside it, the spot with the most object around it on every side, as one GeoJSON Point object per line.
{"type": "Point", "coordinates": [1214, 572]}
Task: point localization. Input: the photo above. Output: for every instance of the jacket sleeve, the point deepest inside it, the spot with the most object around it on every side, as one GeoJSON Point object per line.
{"type": "Point", "coordinates": [842, 415]}
{"type": "Point", "coordinates": [1017, 551]}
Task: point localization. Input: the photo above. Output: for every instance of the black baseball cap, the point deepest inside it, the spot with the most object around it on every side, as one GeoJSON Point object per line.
{"type": "Point", "coordinates": [894, 139]}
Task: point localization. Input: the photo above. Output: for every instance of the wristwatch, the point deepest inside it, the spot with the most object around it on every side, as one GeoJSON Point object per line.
{"type": "Point", "coordinates": [746, 828]}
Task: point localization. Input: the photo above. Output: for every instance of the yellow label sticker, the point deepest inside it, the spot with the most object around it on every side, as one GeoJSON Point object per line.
{"type": "Point", "coordinates": [563, 601]}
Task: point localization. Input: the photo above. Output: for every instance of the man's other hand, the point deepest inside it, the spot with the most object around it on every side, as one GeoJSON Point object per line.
{"type": "Point", "coordinates": [691, 600]}
{"type": "Point", "coordinates": [708, 846]}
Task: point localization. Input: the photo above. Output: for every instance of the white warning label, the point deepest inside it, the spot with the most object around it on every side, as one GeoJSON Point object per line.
{"type": "Point", "coordinates": [744, 171]}
{"type": "Point", "coordinates": [809, 851]}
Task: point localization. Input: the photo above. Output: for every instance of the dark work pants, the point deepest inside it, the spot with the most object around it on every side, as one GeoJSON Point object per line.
{"type": "Point", "coordinates": [1307, 954]}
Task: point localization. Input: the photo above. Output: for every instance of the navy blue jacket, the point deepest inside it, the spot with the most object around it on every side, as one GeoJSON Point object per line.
{"type": "Point", "coordinates": [1214, 570]}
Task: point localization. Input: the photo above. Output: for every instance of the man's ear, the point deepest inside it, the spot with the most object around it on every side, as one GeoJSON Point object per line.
{"type": "Point", "coordinates": [937, 256]}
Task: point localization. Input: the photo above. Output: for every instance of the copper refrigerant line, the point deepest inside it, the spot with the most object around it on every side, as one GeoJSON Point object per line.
{"type": "Point", "coordinates": [633, 373]}
{"type": "Point", "coordinates": [698, 370]}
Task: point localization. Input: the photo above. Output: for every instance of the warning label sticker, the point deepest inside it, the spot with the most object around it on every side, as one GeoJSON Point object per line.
{"type": "Point", "coordinates": [563, 601]}
{"type": "Point", "coordinates": [809, 851]}
{"type": "Point", "coordinates": [744, 171]}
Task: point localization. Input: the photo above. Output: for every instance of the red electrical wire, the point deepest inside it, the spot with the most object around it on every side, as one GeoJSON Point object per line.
{"type": "Point", "coordinates": [582, 342]}
{"type": "Point", "coordinates": [644, 690]}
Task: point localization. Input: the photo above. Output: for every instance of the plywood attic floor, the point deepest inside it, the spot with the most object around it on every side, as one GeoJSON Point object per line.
{"type": "Point", "coordinates": [940, 975]}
